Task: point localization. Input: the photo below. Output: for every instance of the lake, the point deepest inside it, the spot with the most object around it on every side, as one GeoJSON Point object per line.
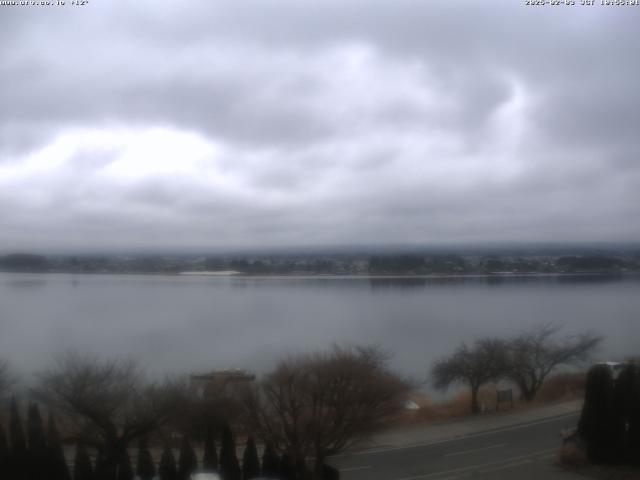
{"type": "Point", "coordinates": [193, 323]}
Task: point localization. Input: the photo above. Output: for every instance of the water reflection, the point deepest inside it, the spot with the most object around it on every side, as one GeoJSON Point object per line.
{"type": "Point", "coordinates": [397, 283]}
{"type": "Point", "coordinates": [27, 283]}
{"type": "Point", "coordinates": [174, 323]}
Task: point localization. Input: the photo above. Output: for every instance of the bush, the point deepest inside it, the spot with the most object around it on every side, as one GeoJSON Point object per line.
{"type": "Point", "coordinates": [563, 386]}
{"type": "Point", "coordinates": [596, 426]}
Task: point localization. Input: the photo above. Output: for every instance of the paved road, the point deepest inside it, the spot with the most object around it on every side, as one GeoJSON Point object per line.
{"type": "Point", "coordinates": [522, 451]}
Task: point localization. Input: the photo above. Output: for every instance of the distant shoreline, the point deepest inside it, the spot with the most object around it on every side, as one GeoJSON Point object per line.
{"type": "Point", "coordinates": [331, 276]}
{"type": "Point", "coordinates": [212, 273]}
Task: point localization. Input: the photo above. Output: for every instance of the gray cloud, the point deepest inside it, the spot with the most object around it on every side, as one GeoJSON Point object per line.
{"type": "Point", "coordinates": [260, 124]}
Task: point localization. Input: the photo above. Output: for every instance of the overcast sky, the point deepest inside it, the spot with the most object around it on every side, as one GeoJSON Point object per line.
{"type": "Point", "coordinates": [226, 124]}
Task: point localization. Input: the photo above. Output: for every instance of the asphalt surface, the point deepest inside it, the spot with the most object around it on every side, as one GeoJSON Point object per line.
{"type": "Point", "coordinates": [526, 451]}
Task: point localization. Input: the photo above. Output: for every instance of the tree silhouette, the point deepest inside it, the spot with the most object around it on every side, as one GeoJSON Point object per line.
{"type": "Point", "coordinates": [110, 400]}
{"type": "Point", "coordinates": [626, 410]}
{"type": "Point", "coordinates": [187, 462]}
{"type": "Point", "coordinates": [270, 462]}
{"type": "Point", "coordinates": [287, 469]}
{"type": "Point", "coordinates": [167, 468]}
{"type": "Point", "coordinates": [330, 473]}
{"type": "Point", "coordinates": [82, 468]}
{"type": "Point", "coordinates": [145, 467]}
{"type": "Point", "coordinates": [250, 462]}
{"type": "Point", "coordinates": [534, 354]}
{"type": "Point", "coordinates": [125, 470]}
{"type": "Point", "coordinates": [57, 462]}
{"type": "Point", "coordinates": [318, 404]}
{"type": "Point", "coordinates": [229, 467]}
{"type": "Point", "coordinates": [634, 418]}
{"type": "Point", "coordinates": [484, 361]}
{"type": "Point", "coordinates": [210, 458]}
{"type": "Point", "coordinates": [597, 425]}
{"type": "Point", "coordinates": [4, 455]}
{"type": "Point", "coordinates": [19, 455]}
{"type": "Point", "coordinates": [99, 470]}
{"type": "Point", "coordinates": [38, 454]}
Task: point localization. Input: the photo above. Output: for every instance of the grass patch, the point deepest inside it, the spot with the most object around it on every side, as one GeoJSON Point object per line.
{"type": "Point", "coordinates": [561, 387]}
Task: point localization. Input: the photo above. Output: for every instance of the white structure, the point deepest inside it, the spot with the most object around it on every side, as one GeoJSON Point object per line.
{"type": "Point", "coordinates": [216, 380]}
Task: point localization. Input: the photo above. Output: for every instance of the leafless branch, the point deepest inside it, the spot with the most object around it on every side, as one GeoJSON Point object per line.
{"type": "Point", "coordinates": [318, 404]}
{"type": "Point", "coordinates": [534, 354]}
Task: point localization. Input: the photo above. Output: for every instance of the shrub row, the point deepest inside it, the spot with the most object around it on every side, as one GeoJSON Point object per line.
{"type": "Point", "coordinates": [609, 425]}
{"type": "Point", "coordinates": [39, 455]}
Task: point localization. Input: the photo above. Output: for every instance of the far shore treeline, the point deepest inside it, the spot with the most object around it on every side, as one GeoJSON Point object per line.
{"type": "Point", "coordinates": [558, 260]}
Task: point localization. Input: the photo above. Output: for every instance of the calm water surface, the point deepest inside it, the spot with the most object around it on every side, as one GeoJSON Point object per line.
{"type": "Point", "coordinates": [175, 324]}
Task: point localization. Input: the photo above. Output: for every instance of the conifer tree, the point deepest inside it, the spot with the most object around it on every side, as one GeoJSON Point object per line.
{"type": "Point", "coordinates": [58, 469]}
{"type": "Point", "coordinates": [287, 469]}
{"type": "Point", "coordinates": [38, 458]}
{"type": "Point", "coordinates": [125, 470]}
{"type": "Point", "coordinates": [187, 462]}
{"type": "Point", "coordinates": [106, 464]}
{"type": "Point", "coordinates": [82, 469]}
{"type": "Point", "coordinates": [229, 466]}
{"type": "Point", "coordinates": [626, 409]}
{"type": "Point", "coordinates": [330, 473]}
{"type": "Point", "coordinates": [597, 425]}
{"type": "Point", "coordinates": [210, 457]}
{"type": "Point", "coordinates": [634, 419]}
{"type": "Point", "coordinates": [270, 462]}
{"type": "Point", "coordinates": [145, 468]}
{"type": "Point", "coordinates": [106, 467]}
{"type": "Point", "coordinates": [98, 472]}
{"type": "Point", "coordinates": [250, 462]}
{"type": "Point", "coordinates": [167, 468]}
{"type": "Point", "coordinates": [18, 451]}
{"type": "Point", "coordinates": [4, 455]}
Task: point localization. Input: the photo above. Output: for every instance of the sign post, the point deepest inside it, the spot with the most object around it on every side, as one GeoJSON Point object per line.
{"type": "Point", "coordinates": [504, 396]}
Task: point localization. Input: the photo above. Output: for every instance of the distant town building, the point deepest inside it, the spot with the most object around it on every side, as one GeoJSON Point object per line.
{"type": "Point", "coordinates": [215, 381]}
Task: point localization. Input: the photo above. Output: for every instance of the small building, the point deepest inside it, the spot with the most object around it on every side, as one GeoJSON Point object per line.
{"type": "Point", "coordinates": [216, 381]}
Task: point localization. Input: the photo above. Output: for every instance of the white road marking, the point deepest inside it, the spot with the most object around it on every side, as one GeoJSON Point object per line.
{"type": "Point", "coordinates": [353, 469]}
{"type": "Point", "coordinates": [478, 466]}
{"type": "Point", "coordinates": [472, 450]}
{"type": "Point", "coordinates": [456, 439]}
{"type": "Point", "coordinates": [506, 467]}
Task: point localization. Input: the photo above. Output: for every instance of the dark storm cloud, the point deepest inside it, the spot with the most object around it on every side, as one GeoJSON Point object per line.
{"type": "Point", "coordinates": [224, 124]}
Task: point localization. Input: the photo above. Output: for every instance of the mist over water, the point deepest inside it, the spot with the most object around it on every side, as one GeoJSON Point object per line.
{"type": "Point", "coordinates": [184, 324]}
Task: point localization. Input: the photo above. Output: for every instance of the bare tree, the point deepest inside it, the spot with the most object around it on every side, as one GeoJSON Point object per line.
{"type": "Point", "coordinates": [7, 380]}
{"type": "Point", "coordinates": [200, 415]}
{"type": "Point", "coordinates": [534, 354]}
{"type": "Point", "coordinates": [315, 405]}
{"type": "Point", "coordinates": [475, 365]}
{"type": "Point", "coordinates": [109, 402]}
